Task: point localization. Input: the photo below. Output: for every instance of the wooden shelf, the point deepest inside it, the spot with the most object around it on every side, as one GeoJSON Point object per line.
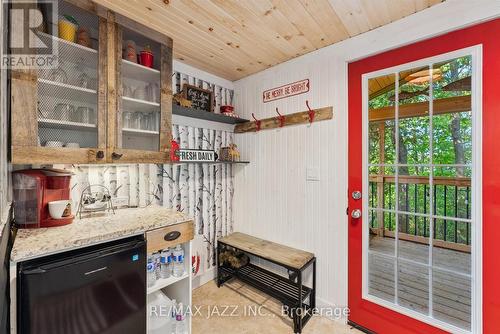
{"type": "Point", "coordinates": [72, 52]}
{"type": "Point", "coordinates": [135, 71]}
{"type": "Point", "coordinates": [213, 162]}
{"type": "Point", "coordinates": [208, 116]}
{"type": "Point", "coordinates": [140, 132]}
{"type": "Point", "coordinates": [132, 104]}
{"type": "Point", "coordinates": [67, 125]}
{"type": "Point", "coordinates": [164, 282]}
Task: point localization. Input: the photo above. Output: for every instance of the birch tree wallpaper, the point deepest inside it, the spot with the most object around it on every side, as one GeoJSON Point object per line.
{"type": "Point", "coordinates": [202, 191]}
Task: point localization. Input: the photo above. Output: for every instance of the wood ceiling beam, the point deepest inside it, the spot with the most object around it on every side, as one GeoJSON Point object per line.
{"type": "Point", "coordinates": [441, 106]}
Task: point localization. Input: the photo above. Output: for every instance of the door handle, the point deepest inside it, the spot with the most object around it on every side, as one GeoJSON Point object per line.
{"type": "Point", "coordinates": [100, 155]}
{"type": "Point", "coordinates": [356, 213]}
{"type": "Point", "coordinates": [356, 194]}
{"type": "Point", "coordinates": [116, 156]}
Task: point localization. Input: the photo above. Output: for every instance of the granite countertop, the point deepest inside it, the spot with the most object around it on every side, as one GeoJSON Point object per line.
{"type": "Point", "coordinates": [33, 243]}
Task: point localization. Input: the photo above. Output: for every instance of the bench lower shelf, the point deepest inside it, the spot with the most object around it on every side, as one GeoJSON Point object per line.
{"type": "Point", "coordinates": [273, 284]}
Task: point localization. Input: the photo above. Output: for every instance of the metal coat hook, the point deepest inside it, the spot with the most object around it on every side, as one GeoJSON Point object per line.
{"type": "Point", "coordinates": [281, 118]}
{"type": "Point", "coordinates": [310, 112]}
{"type": "Point", "coordinates": [257, 123]}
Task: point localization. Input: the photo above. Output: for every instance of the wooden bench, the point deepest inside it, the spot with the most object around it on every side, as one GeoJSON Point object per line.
{"type": "Point", "coordinates": [299, 299]}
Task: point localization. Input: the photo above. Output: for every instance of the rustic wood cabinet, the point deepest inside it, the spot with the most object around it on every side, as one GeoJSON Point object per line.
{"type": "Point", "coordinates": [95, 107]}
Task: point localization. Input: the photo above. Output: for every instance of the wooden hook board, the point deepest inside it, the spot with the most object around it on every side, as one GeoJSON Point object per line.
{"type": "Point", "coordinates": [320, 114]}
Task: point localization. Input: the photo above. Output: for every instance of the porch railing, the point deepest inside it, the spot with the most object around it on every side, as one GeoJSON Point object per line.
{"type": "Point", "coordinates": [450, 200]}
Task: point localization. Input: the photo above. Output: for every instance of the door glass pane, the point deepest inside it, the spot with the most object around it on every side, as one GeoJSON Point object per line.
{"type": "Point", "coordinates": [453, 191]}
{"type": "Point", "coordinates": [381, 233]}
{"type": "Point", "coordinates": [381, 116]}
{"type": "Point", "coordinates": [67, 104]}
{"type": "Point", "coordinates": [451, 295]}
{"type": "Point", "coordinates": [381, 277]}
{"type": "Point", "coordinates": [413, 191]}
{"type": "Point", "coordinates": [413, 286]}
{"type": "Point", "coordinates": [139, 115]}
{"type": "Point", "coordinates": [411, 246]}
{"type": "Point", "coordinates": [450, 255]}
{"type": "Point", "coordinates": [414, 136]}
{"type": "Point", "coordinates": [452, 131]}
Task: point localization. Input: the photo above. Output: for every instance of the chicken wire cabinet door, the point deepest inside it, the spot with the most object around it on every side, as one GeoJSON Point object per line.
{"type": "Point", "coordinates": [141, 123]}
{"type": "Point", "coordinates": [58, 114]}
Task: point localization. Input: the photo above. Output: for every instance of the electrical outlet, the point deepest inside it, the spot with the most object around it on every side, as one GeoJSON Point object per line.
{"type": "Point", "coordinates": [312, 174]}
{"type": "Point", "coordinates": [120, 201]}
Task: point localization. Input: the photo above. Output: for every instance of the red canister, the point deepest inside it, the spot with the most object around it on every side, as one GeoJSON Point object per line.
{"type": "Point", "coordinates": [146, 58]}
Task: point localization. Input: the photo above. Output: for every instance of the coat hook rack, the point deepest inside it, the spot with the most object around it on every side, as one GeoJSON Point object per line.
{"type": "Point", "coordinates": [257, 123]}
{"type": "Point", "coordinates": [281, 118]}
{"type": "Point", "coordinates": [279, 121]}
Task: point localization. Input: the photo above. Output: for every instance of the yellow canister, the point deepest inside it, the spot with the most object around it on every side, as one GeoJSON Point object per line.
{"type": "Point", "coordinates": [67, 30]}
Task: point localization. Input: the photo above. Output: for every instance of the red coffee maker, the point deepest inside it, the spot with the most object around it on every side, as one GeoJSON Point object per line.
{"type": "Point", "coordinates": [33, 190]}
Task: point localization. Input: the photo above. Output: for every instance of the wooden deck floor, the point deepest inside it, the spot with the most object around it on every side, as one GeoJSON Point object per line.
{"type": "Point", "coordinates": [451, 292]}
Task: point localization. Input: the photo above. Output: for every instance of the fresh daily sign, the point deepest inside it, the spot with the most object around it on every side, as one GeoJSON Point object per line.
{"type": "Point", "coordinates": [186, 155]}
{"type": "Point", "coordinates": [294, 88]}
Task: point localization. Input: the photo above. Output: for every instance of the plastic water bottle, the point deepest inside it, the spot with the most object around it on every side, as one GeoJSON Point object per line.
{"type": "Point", "coordinates": [173, 315]}
{"type": "Point", "coordinates": [156, 259]}
{"type": "Point", "coordinates": [165, 261]}
{"type": "Point", "coordinates": [178, 261]}
{"type": "Point", "coordinates": [151, 272]}
{"type": "Point", "coordinates": [180, 321]}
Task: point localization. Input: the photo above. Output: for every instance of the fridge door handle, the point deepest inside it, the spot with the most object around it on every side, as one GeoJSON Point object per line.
{"type": "Point", "coordinates": [34, 271]}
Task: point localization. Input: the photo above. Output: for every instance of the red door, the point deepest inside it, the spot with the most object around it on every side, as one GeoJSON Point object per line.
{"type": "Point", "coordinates": [369, 313]}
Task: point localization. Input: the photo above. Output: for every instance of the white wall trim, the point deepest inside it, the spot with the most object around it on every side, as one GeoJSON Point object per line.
{"type": "Point", "coordinates": [323, 305]}
{"type": "Point", "coordinates": [204, 278]}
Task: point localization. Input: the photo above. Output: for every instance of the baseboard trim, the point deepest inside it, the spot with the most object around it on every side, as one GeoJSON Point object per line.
{"type": "Point", "coordinates": [204, 278]}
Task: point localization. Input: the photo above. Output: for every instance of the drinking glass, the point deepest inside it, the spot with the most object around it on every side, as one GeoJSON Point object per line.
{"type": "Point", "coordinates": [136, 121]}
{"type": "Point", "coordinates": [145, 121]}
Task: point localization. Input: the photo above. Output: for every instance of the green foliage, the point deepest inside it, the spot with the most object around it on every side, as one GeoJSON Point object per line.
{"type": "Point", "coordinates": [415, 148]}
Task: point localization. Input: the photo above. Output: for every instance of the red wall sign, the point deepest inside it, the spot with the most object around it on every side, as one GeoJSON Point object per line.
{"type": "Point", "coordinates": [294, 88]}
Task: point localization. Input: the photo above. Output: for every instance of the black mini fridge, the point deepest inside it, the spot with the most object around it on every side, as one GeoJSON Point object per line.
{"type": "Point", "coordinates": [98, 289]}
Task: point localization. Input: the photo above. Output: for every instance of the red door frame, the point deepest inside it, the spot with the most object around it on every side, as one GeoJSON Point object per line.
{"type": "Point", "coordinates": [373, 316]}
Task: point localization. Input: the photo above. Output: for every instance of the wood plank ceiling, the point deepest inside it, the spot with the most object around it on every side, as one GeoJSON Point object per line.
{"type": "Point", "coordinates": [235, 38]}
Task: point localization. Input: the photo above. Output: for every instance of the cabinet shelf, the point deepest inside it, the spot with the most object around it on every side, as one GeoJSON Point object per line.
{"type": "Point", "coordinates": [213, 162]}
{"type": "Point", "coordinates": [67, 125]}
{"type": "Point", "coordinates": [164, 282]}
{"type": "Point", "coordinates": [140, 132]}
{"type": "Point", "coordinates": [57, 89]}
{"type": "Point", "coordinates": [72, 52]}
{"type": "Point", "coordinates": [208, 116]}
{"type": "Point", "coordinates": [139, 72]}
{"type": "Point", "coordinates": [132, 104]}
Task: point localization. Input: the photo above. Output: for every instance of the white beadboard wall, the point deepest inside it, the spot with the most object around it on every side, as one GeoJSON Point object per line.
{"type": "Point", "coordinates": [273, 199]}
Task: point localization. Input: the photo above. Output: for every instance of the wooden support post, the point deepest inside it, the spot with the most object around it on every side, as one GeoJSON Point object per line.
{"type": "Point", "coordinates": [380, 179]}
{"type": "Point", "coordinates": [166, 96]}
{"type": "Point", "coordinates": [112, 85]}
{"type": "Point", "coordinates": [103, 85]}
